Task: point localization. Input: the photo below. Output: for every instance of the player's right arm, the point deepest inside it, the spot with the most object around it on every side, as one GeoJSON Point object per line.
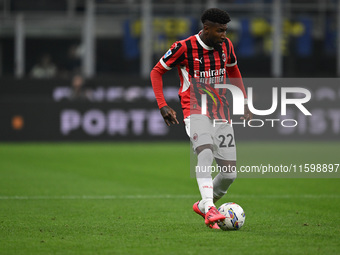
{"type": "Point", "coordinates": [168, 113]}
{"type": "Point", "coordinates": [171, 58]}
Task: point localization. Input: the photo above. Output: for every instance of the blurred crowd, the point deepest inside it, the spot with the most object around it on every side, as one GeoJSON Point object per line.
{"type": "Point", "coordinates": [46, 68]}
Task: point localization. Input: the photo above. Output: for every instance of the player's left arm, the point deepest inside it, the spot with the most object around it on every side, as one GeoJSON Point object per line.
{"type": "Point", "coordinates": [235, 78]}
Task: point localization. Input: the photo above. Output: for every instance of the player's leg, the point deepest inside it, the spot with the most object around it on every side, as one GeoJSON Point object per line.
{"type": "Point", "coordinates": [199, 129]}
{"type": "Point", "coordinates": [225, 156]}
{"type": "Point", "coordinates": [203, 175]}
{"type": "Point", "coordinates": [224, 178]}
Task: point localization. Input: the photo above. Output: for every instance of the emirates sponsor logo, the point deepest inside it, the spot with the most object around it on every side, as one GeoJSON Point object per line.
{"type": "Point", "coordinates": [209, 73]}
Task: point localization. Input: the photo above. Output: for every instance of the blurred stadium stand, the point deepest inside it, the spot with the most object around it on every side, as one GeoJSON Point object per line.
{"type": "Point", "coordinates": [113, 33]}
{"type": "Point", "coordinates": [115, 43]}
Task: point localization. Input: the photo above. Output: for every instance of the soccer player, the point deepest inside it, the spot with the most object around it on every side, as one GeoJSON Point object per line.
{"type": "Point", "coordinates": [203, 60]}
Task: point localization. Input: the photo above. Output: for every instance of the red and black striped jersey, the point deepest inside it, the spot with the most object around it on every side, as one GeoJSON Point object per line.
{"type": "Point", "coordinates": [200, 67]}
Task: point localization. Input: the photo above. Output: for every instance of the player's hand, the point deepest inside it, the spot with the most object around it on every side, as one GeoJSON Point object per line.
{"type": "Point", "coordinates": [169, 115]}
{"type": "Point", "coordinates": [248, 115]}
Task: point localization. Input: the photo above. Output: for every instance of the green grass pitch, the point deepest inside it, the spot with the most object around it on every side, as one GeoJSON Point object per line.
{"type": "Point", "coordinates": [136, 198]}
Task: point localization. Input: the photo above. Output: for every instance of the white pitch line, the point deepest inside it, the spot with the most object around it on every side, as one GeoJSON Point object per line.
{"type": "Point", "coordinates": [169, 196]}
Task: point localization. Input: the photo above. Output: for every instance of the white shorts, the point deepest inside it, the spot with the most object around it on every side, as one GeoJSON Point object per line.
{"type": "Point", "coordinates": [203, 130]}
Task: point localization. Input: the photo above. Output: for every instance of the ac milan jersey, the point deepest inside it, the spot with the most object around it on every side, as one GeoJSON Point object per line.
{"type": "Point", "coordinates": [200, 67]}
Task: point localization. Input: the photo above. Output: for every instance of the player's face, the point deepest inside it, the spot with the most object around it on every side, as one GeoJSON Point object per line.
{"type": "Point", "coordinates": [216, 34]}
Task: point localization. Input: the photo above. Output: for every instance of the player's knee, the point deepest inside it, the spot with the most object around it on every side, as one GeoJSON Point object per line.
{"type": "Point", "coordinates": [227, 169]}
{"type": "Point", "coordinates": [203, 147]}
{"type": "Point", "coordinates": [205, 157]}
{"type": "Point", "coordinates": [230, 175]}
{"type": "Point", "coordinates": [203, 168]}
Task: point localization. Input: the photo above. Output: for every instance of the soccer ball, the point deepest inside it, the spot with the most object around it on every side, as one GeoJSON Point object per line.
{"type": "Point", "coordinates": [234, 214]}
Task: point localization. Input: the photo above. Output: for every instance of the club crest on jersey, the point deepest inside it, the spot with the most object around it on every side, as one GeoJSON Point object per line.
{"type": "Point", "coordinates": [168, 53]}
{"type": "Point", "coordinates": [224, 57]}
{"type": "Point", "coordinates": [195, 137]}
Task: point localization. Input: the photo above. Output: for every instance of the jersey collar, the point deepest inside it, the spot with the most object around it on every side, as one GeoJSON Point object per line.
{"type": "Point", "coordinates": [202, 43]}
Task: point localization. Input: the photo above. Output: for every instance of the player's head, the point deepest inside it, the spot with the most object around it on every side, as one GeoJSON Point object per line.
{"type": "Point", "coordinates": [215, 26]}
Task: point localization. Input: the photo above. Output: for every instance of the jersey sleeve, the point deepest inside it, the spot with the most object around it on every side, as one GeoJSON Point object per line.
{"type": "Point", "coordinates": [157, 84]}
{"type": "Point", "coordinates": [174, 56]}
{"type": "Point", "coordinates": [235, 78]}
{"type": "Point", "coordinates": [231, 57]}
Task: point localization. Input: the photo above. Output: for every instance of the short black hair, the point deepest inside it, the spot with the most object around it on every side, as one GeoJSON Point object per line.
{"type": "Point", "coordinates": [215, 15]}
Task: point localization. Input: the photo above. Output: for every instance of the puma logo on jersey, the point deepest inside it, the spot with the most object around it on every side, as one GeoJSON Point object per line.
{"type": "Point", "coordinates": [200, 60]}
